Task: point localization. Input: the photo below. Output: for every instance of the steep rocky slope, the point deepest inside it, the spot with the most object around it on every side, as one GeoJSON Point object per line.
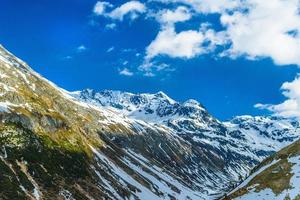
{"type": "Point", "coordinates": [58, 145]}
{"type": "Point", "coordinates": [277, 177]}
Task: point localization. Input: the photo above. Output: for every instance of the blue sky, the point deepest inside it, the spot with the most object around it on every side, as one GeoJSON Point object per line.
{"type": "Point", "coordinates": [77, 47]}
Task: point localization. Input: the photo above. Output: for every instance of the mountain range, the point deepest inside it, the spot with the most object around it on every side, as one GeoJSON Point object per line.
{"type": "Point", "coordinates": [56, 144]}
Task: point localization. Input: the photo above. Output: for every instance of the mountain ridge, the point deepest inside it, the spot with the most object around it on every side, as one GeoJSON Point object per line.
{"type": "Point", "coordinates": [56, 145]}
{"type": "Point", "coordinates": [253, 138]}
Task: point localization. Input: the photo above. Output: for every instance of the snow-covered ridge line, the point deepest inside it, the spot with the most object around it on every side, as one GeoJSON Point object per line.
{"type": "Point", "coordinates": [152, 108]}
{"type": "Point", "coordinates": [248, 139]}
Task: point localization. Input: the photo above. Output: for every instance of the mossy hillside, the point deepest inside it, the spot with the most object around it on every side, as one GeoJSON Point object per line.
{"type": "Point", "coordinates": [48, 109]}
{"type": "Point", "coordinates": [52, 166]}
{"type": "Point", "coordinates": [44, 109]}
{"type": "Point", "coordinates": [38, 114]}
{"type": "Point", "coordinates": [276, 177]}
{"type": "Point", "coordinates": [55, 165]}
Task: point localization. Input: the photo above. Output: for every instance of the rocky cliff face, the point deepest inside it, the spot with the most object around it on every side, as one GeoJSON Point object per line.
{"type": "Point", "coordinates": [60, 145]}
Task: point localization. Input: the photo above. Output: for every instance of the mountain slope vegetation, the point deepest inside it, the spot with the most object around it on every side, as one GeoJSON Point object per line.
{"type": "Point", "coordinates": [277, 177]}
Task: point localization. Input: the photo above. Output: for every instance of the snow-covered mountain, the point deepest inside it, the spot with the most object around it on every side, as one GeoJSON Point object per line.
{"type": "Point", "coordinates": [241, 142]}
{"type": "Point", "coordinates": [153, 108]}
{"type": "Point", "coordinates": [191, 118]}
{"type": "Point", "coordinates": [56, 144]}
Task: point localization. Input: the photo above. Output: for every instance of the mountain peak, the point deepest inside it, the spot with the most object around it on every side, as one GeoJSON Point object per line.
{"type": "Point", "coordinates": [156, 108]}
{"type": "Point", "coordinates": [193, 103]}
{"type": "Point", "coordinates": [163, 95]}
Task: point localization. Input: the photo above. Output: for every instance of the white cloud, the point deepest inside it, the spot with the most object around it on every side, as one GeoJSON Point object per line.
{"type": "Point", "coordinates": [291, 106]}
{"type": "Point", "coordinates": [101, 6]}
{"type": "Point", "coordinates": [132, 8]}
{"type": "Point", "coordinates": [263, 31]}
{"type": "Point", "coordinates": [250, 28]}
{"type": "Point", "coordinates": [253, 28]}
{"type": "Point", "coordinates": [150, 68]}
{"type": "Point", "coordinates": [110, 26]}
{"type": "Point", "coordinates": [185, 44]}
{"type": "Point", "coordinates": [126, 72]}
{"type": "Point", "coordinates": [213, 6]}
{"type": "Point", "coordinates": [207, 6]}
{"type": "Point", "coordinates": [180, 14]}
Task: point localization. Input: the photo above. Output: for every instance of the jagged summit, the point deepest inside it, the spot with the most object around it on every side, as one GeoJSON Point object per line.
{"type": "Point", "coordinates": [115, 94]}
{"type": "Point", "coordinates": [154, 108]}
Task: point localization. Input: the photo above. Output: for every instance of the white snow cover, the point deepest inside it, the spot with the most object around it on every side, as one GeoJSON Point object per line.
{"type": "Point", "coordinates": [145, 192]}
{"type": "Point", "coordinates": [4, 107]}
{"type": "Point", "coordinates": [271, 140]}
{"type": "Point", "coordinates": [163, 184]}
{"type": "Point", "coordinates": [295, 180]}
{"type": "Point", "coordinates": [165, 179]}
{"type": "Point", "coordinates": [155, 108]}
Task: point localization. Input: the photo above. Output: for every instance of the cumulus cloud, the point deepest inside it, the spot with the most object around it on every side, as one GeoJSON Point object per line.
{"type": "Point", "coordinates": [291, 106]}
{"type": "Point", "coordinates": [185, 44]}
{"type": "Point", "coordinates": [126, 72]}
{"type": "Point", "coordinates": [265, 30]}
{"type": "Point", "coordinates": [180, 14]}
{"type": "Point", "coordinates": [254, 28]}
{"type": "Point", "coordinates": [131, 8]}
{"type": "Point", "coordinates": [101, 7]}
{"type": "Point", "coordinates": [207, 6]}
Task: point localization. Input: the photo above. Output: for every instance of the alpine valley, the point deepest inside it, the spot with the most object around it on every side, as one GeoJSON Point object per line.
{"type": "Point", "coordinates": [56, 144]}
